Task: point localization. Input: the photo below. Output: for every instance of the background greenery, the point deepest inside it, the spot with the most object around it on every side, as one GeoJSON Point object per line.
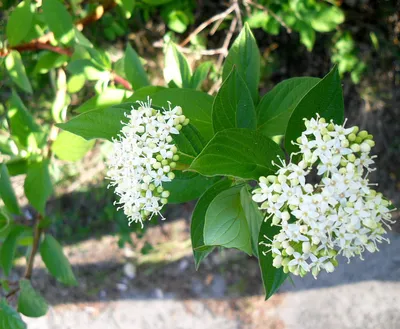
{"type": "Point", "coordinates": [70, 57]}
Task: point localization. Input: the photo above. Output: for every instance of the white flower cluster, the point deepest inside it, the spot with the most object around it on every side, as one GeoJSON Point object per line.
{"type": "Point", "coordinates": [142, 159]}
{"type": "Point", "coordinates": [339, 215]}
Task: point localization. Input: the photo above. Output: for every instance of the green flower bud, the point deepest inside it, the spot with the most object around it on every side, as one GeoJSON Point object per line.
{"type": "Point", "coordinates": [175, 157]}
{"type": "Point", "coordinates": [172, 165]}
{"type": "Point", "coordinates": [164, 200]}
{"type": "Point", "coordinates": [166, 169]}
{"type": "Point", "coordinates": [351, 157]}
{"type": "Point", "coordinates": [331, 127]}
{"type": "Point", "coordinates": [179, 127]}
{"type": "Point", "coordinates": [370, 142]}
{"type": "Point", "coordinates": [370, 137]}
{"type": "Point", "coordinates": [358, 140]}
{"type": "Point", "coordinates": [186, 122]}
{"type": "Point", "coordinates": [164, 162]}
{"type": "Point", "coordinates": [157, 165]}
{"type": "Point", "coordinates": [174, 149]}
{"type": "Point", "coordinates": [171, 175]}
{"type": "Point", "coordinates": [355, 129]}
{"type": "Point", "coordinates": [165, 194]}
{"type": "Point", "coordinates": [363, 134]}
{"type": "Point", "coordinates": [152, 187]}
{"type": "Point", "coordinates": [159, 157]}
{"type": "Point", "coordinates": [352, 137]}
{"type": "Point", "coordinates": [355, 148]}
{"type": "Point", "coordinates": [160, 189]}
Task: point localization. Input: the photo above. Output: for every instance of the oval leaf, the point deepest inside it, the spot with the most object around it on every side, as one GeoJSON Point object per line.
{"type": "Point", "coordinates": [9, 318]}
{"type": "Point", "coordinates": [233, 106]}
{"type": "Point", "coordinates": [225, 224]}
{"type": "Point", "coordinates": [272, 277]}
{"type": "Point", "coordinates": [200, 250]}
{"type": "Point", "coordinates": [187, 186]}
{"type": "Point", "coordinates": [325, 98]}
{"type": "Point", "coordinates": [71, 147]}
{"type": "Point", "coordinates": [245, 56]}
{"type": "Point", "coordinates": [8, 249]}
{"type": "Point", "coordinates": [16, 32]}
{"type": "Point", "coordinates": [134, 70]}
{"type": "Point", "coordinates": [7, 192]}
{"type": "Point", "coordinates": [238, 152]}
{"type": "Point", "coordinates": [58, 20]}
{"type": "Point", "coordinates": [16, 70]}
{"type": "Point", "coordinates": [30, 303]}
{"type": "Point", "coordinates": [56, 262]}
{"type": "Point", "coordinates": [253, 216]}
{"type": "Point", "coordinates": [177, 68]}
{"type": "Point", "coordinates": [38, 186]}
{"type": "Point", "coordinates": [275, 108]}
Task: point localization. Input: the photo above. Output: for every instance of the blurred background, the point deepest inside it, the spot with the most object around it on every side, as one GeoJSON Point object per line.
{"type": "Point", "coordinates": [134, 278]}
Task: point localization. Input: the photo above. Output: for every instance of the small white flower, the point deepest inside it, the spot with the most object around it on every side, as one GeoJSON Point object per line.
{"type": "Point", "coordinates": [140, 161]}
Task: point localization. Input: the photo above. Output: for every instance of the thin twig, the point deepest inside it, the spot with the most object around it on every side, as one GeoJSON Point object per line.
{"type": "Point", "coordinates": [270, 12]}
{"type": "Point", "coordinates": [238, 13]}
{"type": "Point", "coordinates": [227, 41]}
{"type": "Point", "coordinates": [209, 21]}
{"type": "Point", "coordinates": [203, 52]}
{"type": "Point", "coordinates": [118, 79]}
{"type": "Point", "coordinates": [35, 245]}
{"type": "Point", "coordinates": [36, 45]}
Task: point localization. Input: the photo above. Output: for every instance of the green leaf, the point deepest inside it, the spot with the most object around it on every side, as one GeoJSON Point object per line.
{"type": "Point", "coordinates": [71, 147]}
{"type": "Point", "coordinates": [38, 186]}
{"type": "Point", "coordinates": [128, 6]}
{"type": "Point", "coordinates": [245, 56]}
{"type": "Point", "coordinates": [253, 215]}
{"type": "Point", "coordinates": [56, 262]}
{"type": "Point", "coordinates": [102, 123]}
{"type": "Point", "coordinates": [9, 318]}
{"type": "Point", "coordinates": [76, 82]}
{"type": "Point", "coordinates": [325, 98]}
{"type": "Point", "coordinates": [190, 143]}
{"type": "Point", "coordinates": [200, 74]}
{"type": "Point", "coordinates": [238, 152]}
{"type": "Point", "coordinates": [200, 250]}
{"type": "Point", "coordinates": [91, 70]}
{"type": "Point", "coordinates": [21, 121]}
{"type": "Point", "coordinates": [233, 106]}
{"type": "Point", "coordinates": [5, 221]}
{"type": "Point", "coordinates": [327, 18]}
{"type": "Point", "coordinates": [196, 105]}
{"type": "Point", "coordinates": [134, 70]}
{"type": "Point", "coordinates": [142, 93]}
{"type": "Point", "coordinates": [30, 303]}
{"type": "Point", "coordinates": [187, 186]}
{"type": "Point", "coordinates": [177, 20]}
{"type": "Point", "coordinates": [49, 60]}
{"type": "Point", "coordinates": [225, 224]}
{"type": "Point", "coordinates": [16, 32]}
{"type": "Point", "coordinates": [8, 248]}
{"type": "Point", "coordinates": [156, 2]}
{"type": "Point", "coordinates": [58, 20]}
{"type": "Point", "coordinates": [176, 68]}
{"type": "Point", "coordinates": [17, 166]}
{"type": "Point", "coordinates": [276, 107]}
{"type": "Point", "coordinates": [307, 34]}
{"type": "Point", "coordinates": [272, 277]}
{"type": "Point", "coordinates": [108, 97]}
{"type": "Point", "coordinates": [7, 192]}
{"type": "Point", "coordinates": [16, 70]}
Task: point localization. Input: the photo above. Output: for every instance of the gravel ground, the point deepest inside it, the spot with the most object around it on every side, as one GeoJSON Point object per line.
{"type": "Point", "coordinates": [362, 294]}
